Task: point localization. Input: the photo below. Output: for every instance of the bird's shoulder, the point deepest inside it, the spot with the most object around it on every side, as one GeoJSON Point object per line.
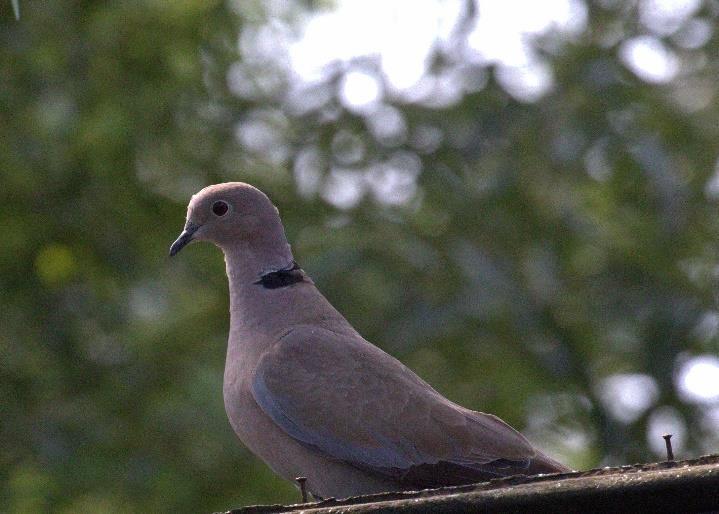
{"type": "Point", "coordinates": [341, 356]}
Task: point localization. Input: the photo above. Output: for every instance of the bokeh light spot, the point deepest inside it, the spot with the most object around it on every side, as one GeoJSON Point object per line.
{"type": "Point", "coordinates": [698, 379]}
{"type": "Point", "coordinates": [628, 396]}
{"type": "Point", "coordinates": [55, 264]}
{"type": "Point", "coordinates": [359, 91]}
{"type": "Point", "coordinates": [649, 59]}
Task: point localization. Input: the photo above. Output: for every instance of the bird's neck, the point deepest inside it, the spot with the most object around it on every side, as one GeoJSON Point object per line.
{"type": "Point", "coordinates": [246, 265]}
{"type": "Point", "coordinates": [269, 295]}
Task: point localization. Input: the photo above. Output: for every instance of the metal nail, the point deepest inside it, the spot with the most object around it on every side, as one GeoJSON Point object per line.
{"type": "Point", "coordinates": [302, 481]}
{"type": "Point", "coordinates": [668, 441]}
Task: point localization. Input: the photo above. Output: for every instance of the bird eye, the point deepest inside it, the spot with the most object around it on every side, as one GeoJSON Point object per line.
{"type": "Point", "coordinates": [220, 208]}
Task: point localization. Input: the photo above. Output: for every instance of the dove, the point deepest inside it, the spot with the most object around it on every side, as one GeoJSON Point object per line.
{"type": "Point", "coordinates": [311, 397]}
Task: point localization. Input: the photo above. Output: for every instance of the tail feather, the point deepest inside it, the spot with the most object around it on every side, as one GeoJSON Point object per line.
{"type": "Point", "coordinates": [542, 463]}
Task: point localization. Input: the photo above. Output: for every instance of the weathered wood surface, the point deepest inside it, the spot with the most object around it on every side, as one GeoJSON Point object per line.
{"type": "Point", "coordinates": [677, 487]}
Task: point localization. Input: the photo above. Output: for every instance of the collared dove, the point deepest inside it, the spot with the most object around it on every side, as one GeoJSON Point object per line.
{"type": "Point", "coordinates": [309, 396]}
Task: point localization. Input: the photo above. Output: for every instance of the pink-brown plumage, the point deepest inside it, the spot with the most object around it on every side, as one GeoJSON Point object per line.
{"type": "Point", "coordinates": [308, 395]}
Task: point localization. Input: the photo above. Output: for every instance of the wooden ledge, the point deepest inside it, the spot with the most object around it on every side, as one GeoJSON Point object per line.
{"type": "Point", "coordinates": [672, 486]}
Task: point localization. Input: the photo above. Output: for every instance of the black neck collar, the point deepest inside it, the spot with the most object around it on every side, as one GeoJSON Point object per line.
{"type": "Point", "coordinates": [282, 277]}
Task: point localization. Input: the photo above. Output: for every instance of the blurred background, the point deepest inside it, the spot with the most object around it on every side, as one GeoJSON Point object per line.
{"type": "Point", "coordinates": [518, 199]}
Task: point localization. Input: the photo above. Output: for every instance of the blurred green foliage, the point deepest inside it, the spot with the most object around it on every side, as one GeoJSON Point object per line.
{"type": "Point", "coordinates": [539, 250]}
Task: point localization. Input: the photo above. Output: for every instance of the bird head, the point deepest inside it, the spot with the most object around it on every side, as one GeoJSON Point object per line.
{"type": "Point", "coordinates": [231, 214]}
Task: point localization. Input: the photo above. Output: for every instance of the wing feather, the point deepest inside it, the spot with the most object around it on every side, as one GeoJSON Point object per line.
{"type": "Point", "coordinates": [352, 402]}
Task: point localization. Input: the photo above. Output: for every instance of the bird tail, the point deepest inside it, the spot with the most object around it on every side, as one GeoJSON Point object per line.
{"type": "Point", "coordinates": [542, 463]}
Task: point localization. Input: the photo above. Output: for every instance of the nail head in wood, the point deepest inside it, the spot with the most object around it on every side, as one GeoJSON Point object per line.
{"type": "Point", "coordinates": [668, 441]}
{"type": "Point", "coordinates": [302, 481]}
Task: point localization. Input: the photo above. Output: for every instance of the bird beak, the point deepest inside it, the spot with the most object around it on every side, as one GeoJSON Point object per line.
{"type": "Point", "coordinates": [184, 239]}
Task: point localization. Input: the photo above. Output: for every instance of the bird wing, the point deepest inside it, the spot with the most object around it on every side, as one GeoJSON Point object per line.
{"type": "Point", "coordinates": [349, 400]}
